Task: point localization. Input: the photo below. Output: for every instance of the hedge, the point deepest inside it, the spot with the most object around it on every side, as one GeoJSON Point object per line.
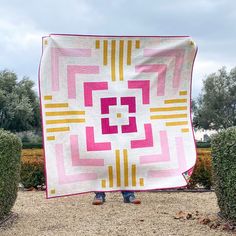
{"type": "Point", "coordinates": [10, 150]}
{"type": "Point", "coordinates": [32, 168]}
{"type": "Point", "coordinates": [203, 144]}
{"type": "Point", "coordinates": [224, 171]}
{"type": "Point", "coordinates": [202, 174]}
{"type": "Point", "coordinates": [31, 145]}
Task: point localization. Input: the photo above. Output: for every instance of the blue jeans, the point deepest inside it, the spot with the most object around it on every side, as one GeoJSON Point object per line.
{"type": "Point", "coordinates": [125, 194]}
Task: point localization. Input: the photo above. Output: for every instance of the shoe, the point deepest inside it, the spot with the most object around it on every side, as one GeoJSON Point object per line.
{"type": "Point", "coordinates": [132, 199]}
{"type": "Point", "coordinates": [98, 200]}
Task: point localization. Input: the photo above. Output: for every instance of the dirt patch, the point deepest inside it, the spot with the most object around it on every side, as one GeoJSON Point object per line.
{"type": "Point", "coordinates": [77, 216]}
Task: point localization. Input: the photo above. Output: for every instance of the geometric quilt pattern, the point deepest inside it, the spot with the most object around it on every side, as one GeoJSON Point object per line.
{"type": "Point", "coordinates": [116, 112]}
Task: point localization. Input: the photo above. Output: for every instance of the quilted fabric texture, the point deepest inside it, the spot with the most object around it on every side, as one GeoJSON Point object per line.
{"type": "Point", "coordinates": [116, 112]}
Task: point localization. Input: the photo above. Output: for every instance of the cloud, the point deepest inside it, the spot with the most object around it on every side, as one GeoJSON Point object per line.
{"type": "Point", "coordinates": [20, 48]}
{"type": "Point", "coordinates": [210, 23]}
{"type": "Point", "coordinates": [203, 68]}
{"type": "Point", "coordinates": [18, 36]}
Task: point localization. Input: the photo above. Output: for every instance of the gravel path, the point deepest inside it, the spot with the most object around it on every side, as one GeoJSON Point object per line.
{"type": "Point", "coordinates": [76, 216]}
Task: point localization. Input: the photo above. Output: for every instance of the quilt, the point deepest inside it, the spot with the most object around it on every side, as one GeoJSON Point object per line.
{"type": "Point", "coordinates": [116, 112]}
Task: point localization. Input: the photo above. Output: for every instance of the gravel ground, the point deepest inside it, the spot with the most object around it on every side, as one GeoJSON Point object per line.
{"type": "Point", "coordinates": [76, 216]}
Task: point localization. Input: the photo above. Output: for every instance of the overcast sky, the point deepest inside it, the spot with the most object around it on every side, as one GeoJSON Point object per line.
{"type": "Point", "coordinates": [211, 23]}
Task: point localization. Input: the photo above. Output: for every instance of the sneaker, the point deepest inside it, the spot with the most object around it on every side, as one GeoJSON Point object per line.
{"type": "Point", "coordinates": [132, 199]}
{"type": "Point", "coordinates": [98, 200]}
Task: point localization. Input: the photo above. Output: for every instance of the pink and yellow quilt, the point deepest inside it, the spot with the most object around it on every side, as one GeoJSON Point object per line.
{"type": "Point", "coordinates": [116, 112]}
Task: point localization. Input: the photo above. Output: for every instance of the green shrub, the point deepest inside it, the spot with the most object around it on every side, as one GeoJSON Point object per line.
{"type": "Point", "coordinates": [30, 136]}
{"type": "Point", "coordinates": [203, 144]}
{"type": "Point", "coordinates": [32, 145]}
{"type": "Point", "coordinates": [202, 173]}
{"type": "Point", "coordinates": [32, 168]}
{"type": "Point", "coordinates": [224, 171]}
{"type": "Point", "coordinates": [30, 139]}
{"type": "Point", "coordinates": [10, 150]}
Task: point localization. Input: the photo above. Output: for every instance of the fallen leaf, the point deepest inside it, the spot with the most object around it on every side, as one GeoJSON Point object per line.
{"type": "Point", "coordinates": [213, 225]}
{"type": "Point", "coordinates": [228, 227]}
{"type": "Point", "coordinates": [180, 215]}
{"type": "Point", "coordinates": [204, 221]}
{"type": "Point", "coordinates": [188, 216]}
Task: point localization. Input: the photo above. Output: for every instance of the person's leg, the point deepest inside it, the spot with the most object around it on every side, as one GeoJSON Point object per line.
{"type": "Point", "coordinates": [129, 197]}
{"type": "Point", "coordinates": [99, 198]}
{"type": "Point", "coordinates": [127, 194]}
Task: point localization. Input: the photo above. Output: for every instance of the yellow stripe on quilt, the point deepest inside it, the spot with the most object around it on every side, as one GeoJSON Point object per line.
{"type": "Point", "coordinates": [50, 138]}
{"type": "Point", "coordinates": [137, 44]}
{"type": "Point", "coordinates": [133, 175]}
{"type": "Point", "coordinates": [185, 130]}
{"type": "Point", "coordinates": [118, 168]}
{"type": "Point", "coordinates": [180, 100]}
{"type": "Point", "coordinates": [157, 109]}
{"type": "Point", "coordinates": [48, 97]}
{"type": "Point", "coordinates": [110, 173]}
{"type": "Point", "coordinates": [56, 105]}
{"type": "Point", "coordinates": [53, 191]}
{"type": "Point", "coordinates": [129, 50]}
{"type": "Point", "coordinates": [105, 44]}
{"type": "Point", "coordinates": [60, 129]}
{"type": "Point", "coordinates": [181, 93]}
{"type": "Point", "coordinates": [177, 123]}
{"type": "Point", "coordinates": [121, 60]}
{"type": "Point", "coordinates": [97, 44]}
{"type": "Point", "coordinates": [141, 182]}
{"type": "Point", "coordinates": [103, 183]}
{"type": "Point", "coordinates": [113, 60]}
{"type": "Point", "coordinates": [50, 122]}
{"type": "Point", "coordinates": [64, 113]}
{"type": "Point", "coordinates": [171, 116]}
{"type": "Point", "coordinates": [126, 170]}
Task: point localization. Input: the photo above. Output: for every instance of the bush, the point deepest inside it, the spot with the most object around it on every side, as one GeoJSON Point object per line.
{"type": "Point", "coordinates": [30, 136]}
{"type": "Point", "coordinates": [32, 145]}
{"type": "Point", "coordinates": [202, 173]}
{"type": "Point", "coordinates": [203, 144]}
{"type": "Point", "coordinates": [10, 150]}
{"type": "Point", "coordinates": [224, 171]}
{"type": "Point", "coordinates": [32, 168]}
{"type": "Point", "coordinates": [30, 139]}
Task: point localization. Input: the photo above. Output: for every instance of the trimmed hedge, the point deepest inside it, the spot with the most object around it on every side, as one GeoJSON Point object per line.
{"type": "Point", "coordinates": [26, 145]}
{"type": "Point", "coordinates": [224, 171]}
{"type": "Point", "coordinates": [202, 174]}
{"type": "Point", "coordinates": [32, 168]}
{"type": "Point", "coordinates": [203, 144]}
{"type": "Point", "coordinates": [10, 150]}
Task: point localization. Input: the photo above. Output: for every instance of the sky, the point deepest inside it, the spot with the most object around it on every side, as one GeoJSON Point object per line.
{"type": "Point", "coordinates": [211, 24]}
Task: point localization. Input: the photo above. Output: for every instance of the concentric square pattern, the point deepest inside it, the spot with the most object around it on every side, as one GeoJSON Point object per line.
{"type": "Point", "coordinates": [116, 113]}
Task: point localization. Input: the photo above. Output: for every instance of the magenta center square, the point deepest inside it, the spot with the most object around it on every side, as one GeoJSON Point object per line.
{"type": "Point", "coordinates": [131, 127]}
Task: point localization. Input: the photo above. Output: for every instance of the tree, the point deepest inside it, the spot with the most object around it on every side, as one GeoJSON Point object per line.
{"type": "Point", "coordinates": [19, 104]}
{"type": "Point", "coordinates": [215, 107]}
